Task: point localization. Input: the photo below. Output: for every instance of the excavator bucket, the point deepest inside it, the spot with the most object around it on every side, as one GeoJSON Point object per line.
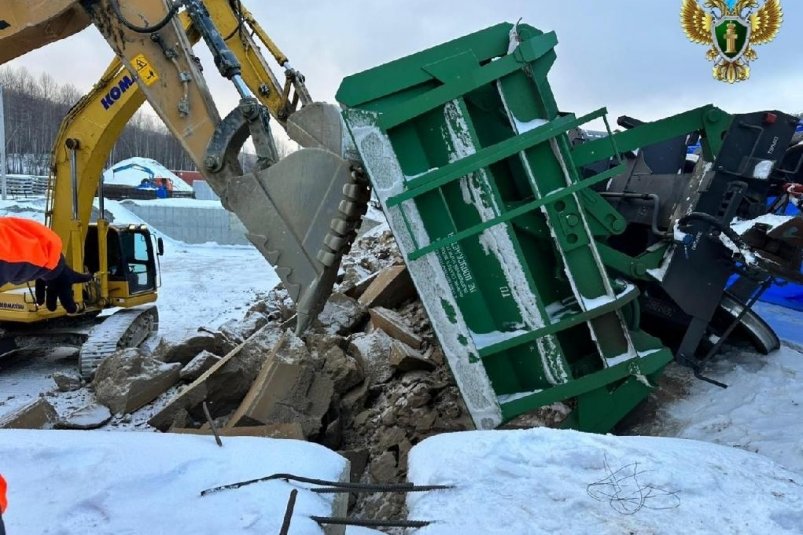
{"type": "Point", "coordinates": [318, 125]}
{"type": "Point", "coordinates": [302, 214]}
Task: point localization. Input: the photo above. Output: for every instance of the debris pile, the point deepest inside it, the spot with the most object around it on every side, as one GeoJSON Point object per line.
{"type": "Point", "coordinates": [367, 380]}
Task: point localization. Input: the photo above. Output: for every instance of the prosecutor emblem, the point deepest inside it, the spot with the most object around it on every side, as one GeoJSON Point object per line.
{"type": "Point", "coordinates": [731, 28]}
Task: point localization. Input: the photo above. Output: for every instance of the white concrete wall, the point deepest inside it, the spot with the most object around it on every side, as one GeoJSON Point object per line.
{"type": "Point", "coordinates": [203, 191]}
{"type": "Point", "coordinates": [191, 221]}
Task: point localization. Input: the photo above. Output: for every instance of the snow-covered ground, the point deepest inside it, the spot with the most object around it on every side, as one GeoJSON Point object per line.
{"type": "Point", "coordinates": [556, 481]}
{"type": "Point", "coordinates": [206, 285]}
{"type": "Point", "coordinates": [74, 482]}
{"type": "Point", "coordinates": [761, 410]}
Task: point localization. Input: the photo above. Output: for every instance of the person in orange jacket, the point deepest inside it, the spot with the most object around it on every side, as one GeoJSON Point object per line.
{"type": "Point", "coordinates": [31, 251]}
{"type": "Point", "coordinates": [3, 504]}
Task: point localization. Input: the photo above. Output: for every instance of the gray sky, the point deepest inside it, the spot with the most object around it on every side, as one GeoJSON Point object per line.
{"type": "Point", "coordinates": [628, 55]}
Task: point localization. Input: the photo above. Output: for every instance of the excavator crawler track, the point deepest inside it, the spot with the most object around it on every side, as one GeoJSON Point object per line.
{"type": "Point", "coordinates": [123, 329]}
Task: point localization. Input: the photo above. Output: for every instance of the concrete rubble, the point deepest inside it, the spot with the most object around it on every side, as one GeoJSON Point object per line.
{"type": "Point", "coordinates": [341, 314]}
{"type": "Point", "coordinates": [38, 414]}
{"type": "Point", "coordinates": [198, 365]}
{"type": "Point", "coordinates": [395, 326]}
{"type": "Point", "coordinates": [67, 382]}
{"type": "Point", "coordinates": [130, 379]}
{"type": "Point", "coordinates": [390, 288]}
{"type": "Point", "coordinates": [288, 389]}
{"type": "Point", "coordinates": [91, 416]}
{"type": "Point", "coordinates": [368, 379]}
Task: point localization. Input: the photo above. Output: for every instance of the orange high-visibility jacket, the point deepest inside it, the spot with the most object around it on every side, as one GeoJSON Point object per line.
{"type": "Point", "coordinates": [28, 250]}
{"type": "Point", "coordinates": [3, 500]}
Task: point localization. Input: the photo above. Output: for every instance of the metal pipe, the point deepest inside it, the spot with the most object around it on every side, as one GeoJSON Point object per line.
{"type": "Point", "coordinates": [101, 200]}
{"type": "Point", "coordinates": [72, 146]}
{"type": "Point", "coordinates": [239, 84]}
{"type": "Point", "coordinates": [643, 196]}
{"type": "Point", "coordinates": [746, 307]}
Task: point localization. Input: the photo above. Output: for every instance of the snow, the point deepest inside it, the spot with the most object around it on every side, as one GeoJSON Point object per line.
{"type": "Point", "coordinates": [75, 482]}
{"type": "Point", "coordinates": [763, 169]}
{"type": "Point", "coordinates": [761, 410]}
{"type": "Point", "coordinates": [29, 208]}
{"type": "Point", "coordinates": [133, 176]}
{"type": "Point", "coordinates": [483, 340]}
{"type": "Point", "coordinates": [559, 481]}
{"type": "Point", "coordinates": [740, 226]}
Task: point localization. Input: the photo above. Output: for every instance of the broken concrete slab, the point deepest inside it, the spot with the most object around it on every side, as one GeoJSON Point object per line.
{"type": "Point", "coordinates": [186, 350]}
{"type": "Point", "coordinates": [404, 358]}
{"type": "Point", "coordinates": [395, 326]}
{"type": "Point", "coordinates": [197, 366]}
{"type": "Point", "coordinates": [361, 285]}
{"type": "Point", "coordinates": [227, 381]}
{"type": "Point", "coordinates": [287, 389]}
{"type": "Point", "coordinates": [383, 468]}
{"type": "Point", "coordinates": [130, 379]}
{"type": "Point", "coordinates": [341, 314]}
{"type": "Point", "coordinates": [318, 344]}
{"type": "Point", "coordinates": [345, 371]}
{"type": "Point", "coordinates": [38, 414]}
{"type": "Point", "coordinates": [67, 382]}
{"type": "Point", "coordinates": [358, 459]}
{"type": "Point", "coordinates": [90, 416]}
{"type": "Point", "coordinates": [290, 430]}
{"type": "Point", "coordinates": [240, 330]}
{"type": "Point", "coordinates": [372, 351]}
{"type": "Point", "coordinates": [391, 287]}
{"type": "Point", "coordinates": [353, 402]}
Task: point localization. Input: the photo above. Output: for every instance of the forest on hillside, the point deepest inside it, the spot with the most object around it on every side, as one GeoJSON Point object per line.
{"type": "Point", "coordinates": [34, 108]}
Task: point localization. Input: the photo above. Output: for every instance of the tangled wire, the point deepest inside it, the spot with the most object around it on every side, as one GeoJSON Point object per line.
{"type": "Point", "coordinates": [627, 495]}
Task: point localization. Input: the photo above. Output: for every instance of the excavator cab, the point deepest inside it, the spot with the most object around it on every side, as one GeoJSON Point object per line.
{"type": "Point", "coordinates": [131, 259]}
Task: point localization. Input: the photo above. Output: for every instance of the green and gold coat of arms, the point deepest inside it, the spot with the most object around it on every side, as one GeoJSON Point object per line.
{"type": "Point", "coordinates": [731, 28]}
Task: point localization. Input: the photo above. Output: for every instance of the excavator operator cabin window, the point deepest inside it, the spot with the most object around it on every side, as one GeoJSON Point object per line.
{"type": "Point", "coordinates": [141, 274]}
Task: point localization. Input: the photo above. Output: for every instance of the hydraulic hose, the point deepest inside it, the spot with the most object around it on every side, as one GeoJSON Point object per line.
{"type": "Point", "coordinates": [144, 29]}
{"type": "Point", "coordinates": [716, 223]}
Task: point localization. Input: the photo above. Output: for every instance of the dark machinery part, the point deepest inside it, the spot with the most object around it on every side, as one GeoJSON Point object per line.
{"type": "Point", "coordinates": [225, 60]}
{"type": "Point", "coordinates": [655, 193]}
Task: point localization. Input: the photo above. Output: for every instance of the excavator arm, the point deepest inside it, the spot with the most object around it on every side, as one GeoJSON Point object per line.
{"type": "Point", "coordinates": [300, 212]}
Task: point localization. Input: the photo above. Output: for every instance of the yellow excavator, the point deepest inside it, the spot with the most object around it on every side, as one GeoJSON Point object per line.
{"type": "Point", "coordinates": [302, 212]}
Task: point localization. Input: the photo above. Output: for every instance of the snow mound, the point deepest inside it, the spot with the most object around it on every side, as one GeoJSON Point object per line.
{"type": "Point", "coordinates": [132, 171]}
{"type": "Point", "coordinates": [558, 481]}
{"type": "Point", "coordinates": [110, 483]}
{"type": "Point", "coordinates": [760, 411]}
